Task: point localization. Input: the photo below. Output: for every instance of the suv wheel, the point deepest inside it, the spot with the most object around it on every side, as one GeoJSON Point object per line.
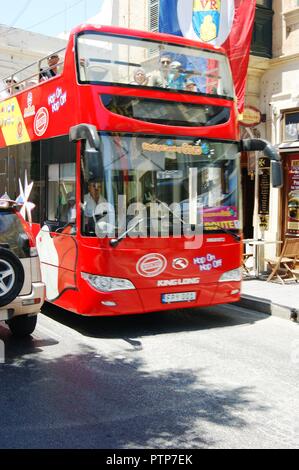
{"type": "Point", "coordinates": [22, 326]}
{"type": "Point", "coordinates": [11, 276]}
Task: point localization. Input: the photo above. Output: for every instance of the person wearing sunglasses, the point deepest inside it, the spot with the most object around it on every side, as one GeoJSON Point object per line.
{"type": "Point", "coordinates": [52, 69]}
{"type": "Point", "coordinates": [159, 78]}
{"type": "Point", "coordinates": [12, 87]}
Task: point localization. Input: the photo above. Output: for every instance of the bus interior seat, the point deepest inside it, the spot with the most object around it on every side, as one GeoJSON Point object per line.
{"type": "Point", "coordinates": [30, 83]}
{"type": "Point", "coordinates": [98, 74]}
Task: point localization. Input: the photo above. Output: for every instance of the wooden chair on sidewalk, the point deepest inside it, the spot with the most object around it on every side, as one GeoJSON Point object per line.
{"type": "Point", "coordinates": [284, 266]}
{"type": "Point", "coordinates": [246, 269]}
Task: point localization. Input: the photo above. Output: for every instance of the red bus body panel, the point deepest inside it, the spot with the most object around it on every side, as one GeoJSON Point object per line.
{"type": "Point", "coordinates": [61, 103]}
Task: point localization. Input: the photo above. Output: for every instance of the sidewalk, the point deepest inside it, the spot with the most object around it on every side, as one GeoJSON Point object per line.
{"type": "Point", "coordinates": [271, 298]}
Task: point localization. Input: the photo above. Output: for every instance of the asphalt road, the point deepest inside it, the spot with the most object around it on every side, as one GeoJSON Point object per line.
{"type": "Point", "coordinates": [211, 378]}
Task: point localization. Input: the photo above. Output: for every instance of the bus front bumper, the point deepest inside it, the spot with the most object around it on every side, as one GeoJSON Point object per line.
{"type": "Point", "coordinates": [153, 300]}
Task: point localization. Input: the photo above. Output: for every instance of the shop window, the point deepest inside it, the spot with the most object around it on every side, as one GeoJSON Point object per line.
{"type": "Point", "coordinates": [292, 194]}
{"type": "Point", "coordinates": [291, 126]}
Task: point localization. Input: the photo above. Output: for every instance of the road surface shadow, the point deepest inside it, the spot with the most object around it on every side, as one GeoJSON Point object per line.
{"type": "Point", "coordinates": [134, 326]}
{"type": "Point", "coordinates": [87, 400]}
{"type": "Point", "coordinates": [17, 348]}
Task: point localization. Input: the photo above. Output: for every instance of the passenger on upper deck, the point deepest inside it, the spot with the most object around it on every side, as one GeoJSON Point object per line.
{"type": "Point", "coordinates": [11, 83]}
{"type": "Point", "coordinates": [140, 77]}
{"type": "Point", "coordinates": [190, 86]}
{"type": "Point", "coordinates": [52, 69]}
{"type": "Point", "coordinates": [159, 78]}
{"type": "Point", "coordinates": [176, 77]}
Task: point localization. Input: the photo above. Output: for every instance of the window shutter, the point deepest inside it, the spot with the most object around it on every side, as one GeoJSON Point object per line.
{"type": "Point", "coordinates": [153, 15]}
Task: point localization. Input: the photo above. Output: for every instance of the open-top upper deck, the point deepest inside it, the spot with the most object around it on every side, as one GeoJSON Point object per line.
{"type": "Point", "coordinates": [102, 64]}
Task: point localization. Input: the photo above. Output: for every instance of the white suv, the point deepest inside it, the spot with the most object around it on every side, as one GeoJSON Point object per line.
{"type": "Point", "coordinates": [21, 291]}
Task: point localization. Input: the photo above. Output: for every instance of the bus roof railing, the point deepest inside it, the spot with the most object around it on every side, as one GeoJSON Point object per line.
{"type": "Point", "coordinates": [30, 80]}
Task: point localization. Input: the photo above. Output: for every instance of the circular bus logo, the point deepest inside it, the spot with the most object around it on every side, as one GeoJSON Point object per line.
{"type": "Point", "coordinates": [180, 264]}
{"type": "Point", "coordinates": [41, 121]}
{"type": "Point", "coordinates": [151, 265]}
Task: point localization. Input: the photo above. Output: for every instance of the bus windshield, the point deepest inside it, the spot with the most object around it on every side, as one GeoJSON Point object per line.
{"type": "Point", "coordinates": [112, 59]}
{"type": "Point", "coordinates": [140, 172]}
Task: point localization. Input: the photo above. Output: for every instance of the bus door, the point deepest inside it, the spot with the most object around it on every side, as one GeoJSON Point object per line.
{"type": "Point", "coordinates": [56, 241]}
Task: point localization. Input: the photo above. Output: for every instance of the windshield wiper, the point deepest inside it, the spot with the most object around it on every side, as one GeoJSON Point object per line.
{"type": "Point", "coordinates": [193, 226]}
{"type": "Point", "coordinates": [229, 232]}
{"type": "Point", "coordinates": [171, 212]}
{"type": "Point", "coordinates": [116, 241]}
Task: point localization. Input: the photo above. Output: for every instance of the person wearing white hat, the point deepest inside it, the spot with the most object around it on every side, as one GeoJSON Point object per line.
{"type": "Point", "coordinates": [190, 86]}
{"type": "Point", "coordinates": [176, 78]}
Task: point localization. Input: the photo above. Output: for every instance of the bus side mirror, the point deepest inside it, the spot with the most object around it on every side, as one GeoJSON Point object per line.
{"type": "Point", "coordinates": [94, 164]}
{"type": "Point", "coordinates": [92, 156]}
{"type": "Point", "coordinates": [276, 172]}
{"type": "Point", "coordinates": [85, 132]}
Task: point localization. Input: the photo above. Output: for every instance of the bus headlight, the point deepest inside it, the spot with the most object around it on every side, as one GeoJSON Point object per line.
{"type": "Point", "coordinates": [107, 284]}
{"type": "Point", "coordinates": [233, 275]}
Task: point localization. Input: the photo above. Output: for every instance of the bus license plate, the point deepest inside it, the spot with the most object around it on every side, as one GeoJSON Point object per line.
{"type": "Point", "coordinates": [178, 297]}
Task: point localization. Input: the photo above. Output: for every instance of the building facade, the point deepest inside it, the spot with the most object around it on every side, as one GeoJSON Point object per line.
{"type": "Point", "coordinates": [20, 48]}
{"type": "Point", "coordinates": [280, 96]}
{"type": "Point", "coordinates": [272, 88]}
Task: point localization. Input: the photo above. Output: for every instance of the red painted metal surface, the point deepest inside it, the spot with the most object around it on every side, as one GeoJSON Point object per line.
{"type": "Point", "coordinates": [78, 254]}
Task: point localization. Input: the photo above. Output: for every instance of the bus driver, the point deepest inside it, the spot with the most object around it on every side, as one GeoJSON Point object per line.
{"type": "Point", "coordinates": [95, 208]}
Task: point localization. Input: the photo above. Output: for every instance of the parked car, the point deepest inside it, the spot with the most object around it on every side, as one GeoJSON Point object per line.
{"type": "Point", "coordinates": [22, 292]}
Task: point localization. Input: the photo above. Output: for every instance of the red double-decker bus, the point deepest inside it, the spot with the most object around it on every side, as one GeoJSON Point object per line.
{"type": "Point", "coordinates": [127, 158]}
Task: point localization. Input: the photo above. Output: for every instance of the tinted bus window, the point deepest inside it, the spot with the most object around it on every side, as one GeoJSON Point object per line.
{"type": "Point", "coordinates": [129, 61]}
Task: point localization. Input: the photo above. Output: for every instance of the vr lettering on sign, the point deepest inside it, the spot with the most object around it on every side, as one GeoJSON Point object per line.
{"type": "Point", "coordinates": [207, 4]}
